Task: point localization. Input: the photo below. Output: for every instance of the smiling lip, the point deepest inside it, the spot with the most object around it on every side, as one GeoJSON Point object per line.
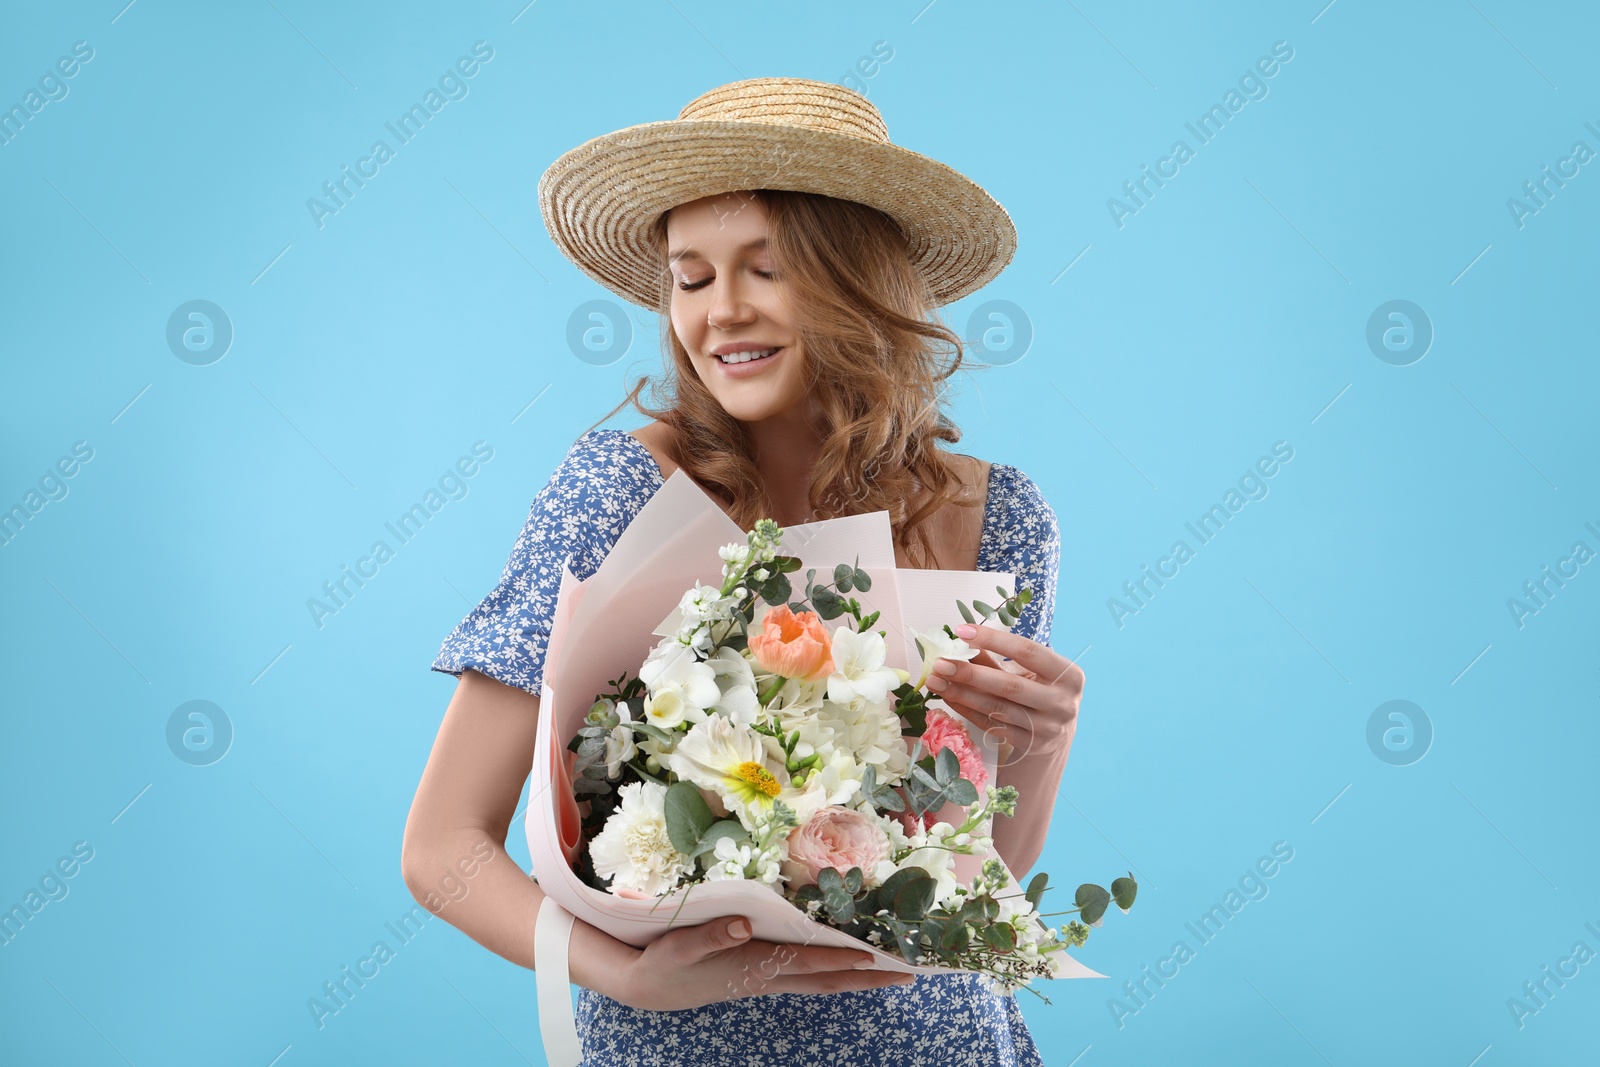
{"type": "Point", "coordinates": [749, 367]}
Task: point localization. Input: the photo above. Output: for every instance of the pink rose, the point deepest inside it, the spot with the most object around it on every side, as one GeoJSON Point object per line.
{"type": "Point", "coordinates": [835, 837]}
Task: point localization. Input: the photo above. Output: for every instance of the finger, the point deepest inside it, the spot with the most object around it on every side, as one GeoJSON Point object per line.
{"type": "Point", "coordinates": [992, 690]}
{"type": "Point", "coordinates": [1042, 660]}
{"type": "Point", "coordinates": [715, 936]}
{"type": "Point", "coordinates": [812, 959]}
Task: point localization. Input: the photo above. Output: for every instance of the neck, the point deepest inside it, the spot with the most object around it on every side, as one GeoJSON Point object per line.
{"type": "Point", "coordinates": [786, 450]}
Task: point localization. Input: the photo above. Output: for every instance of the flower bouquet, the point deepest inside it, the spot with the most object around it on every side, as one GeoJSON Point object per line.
{"type": "Point", "coordinates": [761, 763]}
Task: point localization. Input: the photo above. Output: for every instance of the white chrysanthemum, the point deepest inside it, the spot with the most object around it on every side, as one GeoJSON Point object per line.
{"type": "Point", "coordinates": [936, 646]}
{"type": "Point", "coordinates": [633, 848]}
{"type": "Point", "coordinates": [730, 760]}
{"type": "Point", "coordinates": [859, 673]}
{"type": "Point", "coordinates": [681, 686]}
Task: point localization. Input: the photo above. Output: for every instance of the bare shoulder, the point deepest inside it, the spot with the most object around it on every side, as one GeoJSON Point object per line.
{"type": "Point", "coordinates": [974, 475]}
{"type": "Point", "coordinates": [658, 438]}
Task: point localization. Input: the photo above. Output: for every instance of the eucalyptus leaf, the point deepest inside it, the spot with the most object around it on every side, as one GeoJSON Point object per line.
{"type": "Point", "coordinates": [965, 614]}
{"type": "Point", "coordinates": [896, 881]}
{"type": "Point", "coordinates": [954, 937]}
{"type": "Point", "coordinates": [961, 792]}
{"type": "Point", "coordinates": [651, 730]}
{"type": "Point", "coordinates": [1001, 936]}
{"type": "Point", "coordinates": [1091, 900]}
{"type": "Point", "coordinates": [1036, 887]}
{"type": "Point", "coordinates": [908, 938]}
{"type": "Point", "coordinates": [723, 828]}
{"type": "Point", "coordinates": [863, 581]}
{"type": "Point", "coordinates": [1123, 890]}
{"type": "Point", "coordinates": [688, 816]}
{"type": "Point", "coordinates": [915, 897]}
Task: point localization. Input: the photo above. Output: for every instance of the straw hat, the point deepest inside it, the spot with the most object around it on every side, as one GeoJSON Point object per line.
{"type": "Point", "coordinates": [600, 199]}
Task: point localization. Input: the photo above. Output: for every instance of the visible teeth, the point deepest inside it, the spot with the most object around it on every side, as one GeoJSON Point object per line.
{"type": "Point", "coordinates": [746, 357]}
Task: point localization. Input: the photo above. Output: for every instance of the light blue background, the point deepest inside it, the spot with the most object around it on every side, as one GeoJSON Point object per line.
{"type": "Point", "coordinates": [1229, 313]}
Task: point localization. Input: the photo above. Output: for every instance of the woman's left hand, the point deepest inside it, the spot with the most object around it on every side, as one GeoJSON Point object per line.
{"type": "Point", "coordinates": [1028, 702]}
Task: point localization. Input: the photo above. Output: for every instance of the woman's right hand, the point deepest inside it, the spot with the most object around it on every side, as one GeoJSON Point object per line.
{"type": "Point", "coordinates": [698, 965]}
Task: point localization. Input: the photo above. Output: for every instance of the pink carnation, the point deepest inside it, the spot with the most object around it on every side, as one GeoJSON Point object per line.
{"type": "Point", "coordinates": [835, 837]}
{"type": "Point", "coordinates": [945, 731]}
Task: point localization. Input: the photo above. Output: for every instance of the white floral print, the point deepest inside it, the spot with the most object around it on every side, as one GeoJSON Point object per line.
{"type": "Point", "coordinates": [950, 1019]}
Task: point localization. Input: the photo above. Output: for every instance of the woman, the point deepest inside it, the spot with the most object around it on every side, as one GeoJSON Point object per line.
{"type": "Point", "coordinates": [802, 386]}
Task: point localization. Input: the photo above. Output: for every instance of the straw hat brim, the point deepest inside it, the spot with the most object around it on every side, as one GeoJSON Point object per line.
{"type": "Point", "coordinates": [600, 199]}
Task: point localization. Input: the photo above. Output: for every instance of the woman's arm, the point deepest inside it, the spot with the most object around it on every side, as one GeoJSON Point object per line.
{"type": "Point", "coordinates": [1037, 777]}
{"type": "Point", "coordinates": [453, 858]}
{"type": "Point", "coordinates": [455, 864]}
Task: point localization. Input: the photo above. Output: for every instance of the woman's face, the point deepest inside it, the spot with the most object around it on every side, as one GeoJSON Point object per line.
{"type": "Point", "coordinates": [726, 298]}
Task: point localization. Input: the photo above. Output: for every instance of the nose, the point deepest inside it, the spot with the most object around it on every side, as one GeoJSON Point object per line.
{"type": "Point", "coordinates": [728, 304]}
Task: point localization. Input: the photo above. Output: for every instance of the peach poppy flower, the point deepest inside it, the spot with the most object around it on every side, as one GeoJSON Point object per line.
{"type": "Point", "coordinates": [793, 646]}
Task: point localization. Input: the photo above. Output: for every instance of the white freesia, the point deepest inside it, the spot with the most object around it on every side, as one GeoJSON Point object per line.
{"type": "Point", "coordinates": [620, 748]}
{"type": "Point", "coordinates": [633, 847]}
{"type": "Point", "coordinates": [737, 681]}
{"type": "Point", "coordinates": [839, 778]}
{"type": "Point", "coordinates": [681, 685]}
{"type": "Point", "coordinates": [859, 673]}
{"type": "Point", "coordinates": [936, 646]}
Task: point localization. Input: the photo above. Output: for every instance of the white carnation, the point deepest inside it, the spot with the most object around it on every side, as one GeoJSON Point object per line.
{"type": "Point", "coordinates": [633, 848]}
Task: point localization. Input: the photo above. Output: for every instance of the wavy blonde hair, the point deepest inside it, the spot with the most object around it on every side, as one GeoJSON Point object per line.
{"type": "Point", "coordinates": [876, 360]}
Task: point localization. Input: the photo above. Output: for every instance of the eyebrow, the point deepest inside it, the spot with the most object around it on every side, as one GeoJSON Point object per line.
{"type": "Point", "coordinates": [690, 253]}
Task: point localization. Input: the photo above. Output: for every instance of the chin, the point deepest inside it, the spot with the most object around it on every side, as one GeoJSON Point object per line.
{"type": "Point", "coordinates": [753, 412]}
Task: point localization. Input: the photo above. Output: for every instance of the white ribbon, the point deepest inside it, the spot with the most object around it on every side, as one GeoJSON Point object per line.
{"type": "Point", "coordinates": [552, 936]}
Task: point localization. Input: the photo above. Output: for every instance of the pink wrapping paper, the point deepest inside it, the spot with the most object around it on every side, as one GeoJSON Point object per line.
{"type": "Point", "coordinates": [612, 620]}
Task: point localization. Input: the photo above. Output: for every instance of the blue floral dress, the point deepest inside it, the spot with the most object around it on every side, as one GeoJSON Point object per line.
{"type": "Point", "coordinates": [945, 1019]}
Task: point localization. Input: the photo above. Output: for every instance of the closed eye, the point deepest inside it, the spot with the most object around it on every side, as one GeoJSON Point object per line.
{"type": "Point", "coordinates": [689, 288]}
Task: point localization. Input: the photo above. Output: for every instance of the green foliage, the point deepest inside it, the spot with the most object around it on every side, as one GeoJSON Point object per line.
{"type": "Point", "coordinates": [1091, 900]}
{"type": "Point", "coordinates": [881, 797]}
{"type": "Point", "coordinates": [1123, 890]}
{"type": "Point", "coordinates": [930, 791]}
{"type": "Point", "coordinates": [688, 816]}
{"type": "Point", "coordinates": [1009, 610]}
{"type": "Point", "coordinates": [729, 828]}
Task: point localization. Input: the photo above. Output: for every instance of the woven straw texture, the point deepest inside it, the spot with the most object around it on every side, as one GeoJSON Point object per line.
{"type": "Point", "coordinates": [599, 199]}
